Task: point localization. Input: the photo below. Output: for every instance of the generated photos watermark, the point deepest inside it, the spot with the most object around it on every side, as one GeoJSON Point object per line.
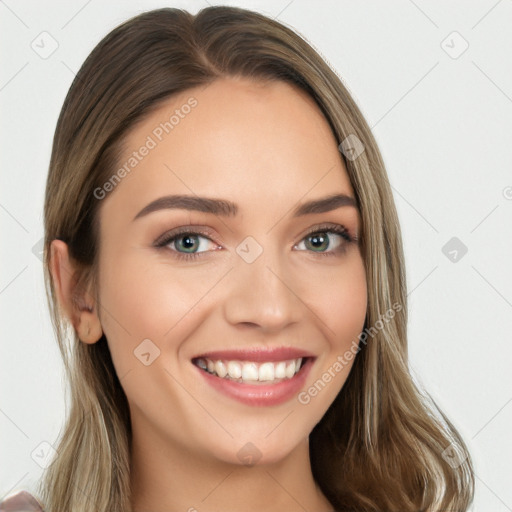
{"type": "Point", "coordinates": [343, 360]}
{"type": "Point", "coordinates": [152, 140]}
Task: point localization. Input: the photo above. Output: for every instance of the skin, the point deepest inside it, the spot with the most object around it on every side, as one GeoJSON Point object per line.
{"type": "Point", "coordinates": [268, 148]}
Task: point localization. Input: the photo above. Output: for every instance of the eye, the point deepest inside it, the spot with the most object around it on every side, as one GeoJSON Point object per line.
{"type": "Point", "coordinates": [186, 243]}
{"type": "Point", "coordinates": [326, 240]}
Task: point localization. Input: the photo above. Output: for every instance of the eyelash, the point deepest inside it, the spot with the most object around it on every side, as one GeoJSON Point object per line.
{"type": "Point", "coordinates": [172, 236]}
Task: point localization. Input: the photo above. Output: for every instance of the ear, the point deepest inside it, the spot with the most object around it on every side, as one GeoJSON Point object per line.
{"type": "Point", "coordinates": [77, 304]}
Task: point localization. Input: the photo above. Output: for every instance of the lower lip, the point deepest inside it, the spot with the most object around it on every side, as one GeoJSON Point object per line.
{"type": "Point", "coordinates": [260, 394]}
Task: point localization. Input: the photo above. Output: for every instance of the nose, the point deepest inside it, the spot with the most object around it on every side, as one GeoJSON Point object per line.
{"type": "Point", "coordinates": [262, 294]}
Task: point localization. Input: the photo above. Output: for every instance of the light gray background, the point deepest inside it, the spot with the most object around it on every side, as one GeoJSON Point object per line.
{"type": "Point", "coordinates": [444, 125]}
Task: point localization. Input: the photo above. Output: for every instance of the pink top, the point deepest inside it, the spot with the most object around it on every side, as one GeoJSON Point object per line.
{"type": "Point", "coordinates": [20, 501]}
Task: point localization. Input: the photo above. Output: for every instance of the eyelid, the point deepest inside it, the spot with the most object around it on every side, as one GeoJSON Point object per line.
{"type": "Point", "coordinates": [339, 229]}
{"type": "Point", "coordinates": [172, 233]}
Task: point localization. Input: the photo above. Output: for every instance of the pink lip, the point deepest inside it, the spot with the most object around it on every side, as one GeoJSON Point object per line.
{"type": "Point", "coordinates": [259, 394]}
{"type": "Point", "coordinates": [257, 355]}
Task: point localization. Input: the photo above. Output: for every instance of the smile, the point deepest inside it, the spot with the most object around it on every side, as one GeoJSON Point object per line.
{"type": "Point", "coordinates": [256, 377]}
{"type": "Point", "coordinates": [250, 371]}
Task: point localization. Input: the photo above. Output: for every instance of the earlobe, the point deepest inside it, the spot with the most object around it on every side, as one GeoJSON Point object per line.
{"type": "Point", "coordinates": [77, 305]}
{"type": "Point", "coordinates": [89, 331]}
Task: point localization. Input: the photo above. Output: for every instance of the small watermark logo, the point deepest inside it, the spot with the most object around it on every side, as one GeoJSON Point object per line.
{"type": "Point", "coordinates": [45, 45]}
{"type": "Point", "coordinates": [249, 249]}
{"type": "Point", "coordinates": [453, 455]}
{"type": "Point", "coordinates": [146, 352]}
{"type": "Point", "coordinates": [454, 45]}
{"type": "Point", "coordinates": [43, 454]}
{"type": "Point", "coordinates": [351, 147]}
{"type": "Point", "coordinates": [249, 454]}
{"type": "Point", "coordinates": [454, 249]}
{"type": "Point", "coordinates": [38, 249]}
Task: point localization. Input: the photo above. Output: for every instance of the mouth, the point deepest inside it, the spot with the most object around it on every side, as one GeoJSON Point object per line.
{"type": "Point", "coordinates": [256, 377]}
{"type": "Point", "coordinates": [251, 372]}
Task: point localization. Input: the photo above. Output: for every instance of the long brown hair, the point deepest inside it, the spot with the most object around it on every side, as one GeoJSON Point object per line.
{"type": "Point", "coordinates": [382, 444]}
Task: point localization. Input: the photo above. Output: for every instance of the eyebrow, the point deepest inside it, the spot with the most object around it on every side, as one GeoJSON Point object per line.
{"type": "Point", "coordinates": [227, 208]}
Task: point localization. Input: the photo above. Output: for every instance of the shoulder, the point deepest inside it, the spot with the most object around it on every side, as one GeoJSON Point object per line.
{"type": "Point", "coordinates": [20, 501]}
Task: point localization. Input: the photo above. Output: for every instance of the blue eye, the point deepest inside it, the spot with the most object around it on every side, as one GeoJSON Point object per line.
{"type": "Point", "coordinates": [187, 244]}
{"type": "Point", "coordinates": [321, 238]}
{"type": "Point", "coordinates": [192, 243]}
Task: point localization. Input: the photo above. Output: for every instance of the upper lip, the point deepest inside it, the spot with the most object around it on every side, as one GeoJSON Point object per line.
{"type": "Point", "coordinates": [256, 354]}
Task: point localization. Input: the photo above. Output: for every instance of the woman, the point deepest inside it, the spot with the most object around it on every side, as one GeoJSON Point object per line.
{"type": "Point", "coordinates": [222, 240]}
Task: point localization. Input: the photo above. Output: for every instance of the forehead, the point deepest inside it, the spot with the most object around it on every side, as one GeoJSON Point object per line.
{"type": "Point", "coordinates": [235, 138]}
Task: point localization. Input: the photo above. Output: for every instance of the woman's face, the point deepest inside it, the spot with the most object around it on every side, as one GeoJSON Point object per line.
{"type": "Point", "coordinates": [266, 281]}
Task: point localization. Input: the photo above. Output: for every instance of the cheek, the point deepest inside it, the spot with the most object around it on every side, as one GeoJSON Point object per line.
{"type": "Point", "coordinates": [339, 299]}
{"type": "Point", "coordinates": [347, 307]}
{"type": "Point", "coordinates": [342, 308]}
{"type": "Point", "coordinates": [142, 299]}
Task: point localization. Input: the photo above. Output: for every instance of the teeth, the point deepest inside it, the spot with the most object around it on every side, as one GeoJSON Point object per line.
{"type": "Point", "coordinates": [220, 369]}
{"type": "Point", "coordinates": [234, 370]}
{"type": "Point", "coordinates": [266, 371]}
{"type": "Point", "coordinates": [251, 371]}
{"type": "Point", "coordinates": [280, 370]}
{"type": "Point", "coordinates": [290, 369]}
